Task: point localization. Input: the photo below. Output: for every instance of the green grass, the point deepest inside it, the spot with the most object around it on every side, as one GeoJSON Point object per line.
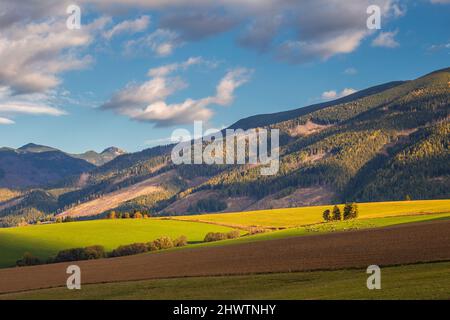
{"type": "Point", "coordinates": [294, 217]}
{"type": "Point", "coordinates": [44, 241]}
{"type": "Point", "coordinates": [421, 281]}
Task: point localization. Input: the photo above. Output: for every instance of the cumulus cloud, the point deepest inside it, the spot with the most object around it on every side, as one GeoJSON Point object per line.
{"type": "Point", "coordinates": [147, 101]}
{"type": "Point", "coordinates": [386, 39]}
{"type": "Point", "coordinates": [304, 51]}
{"type": "Point", "coordinates": [128, 26]}
{"type": "Point", "coordinates": [36, 48]}
{"type": "Point", "coordinates": [33, 55]}
{"type": "Point", "coordinates": [333, 94]}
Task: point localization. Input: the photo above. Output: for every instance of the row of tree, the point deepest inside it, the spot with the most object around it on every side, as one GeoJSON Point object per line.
{"type": "Point", "coordinates": [127, 215]}
{"type": "Point", "coordinates": [350, 212]}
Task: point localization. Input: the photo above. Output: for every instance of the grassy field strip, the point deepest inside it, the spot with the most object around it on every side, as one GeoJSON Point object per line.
{"type": "Point", "coordinates": [295, 217]}
{"type": "Point", "coordinates": [325, 228]}
{"type": "Point", "coordinates": [419, 281]}
{"type": "Point", "coordinates": [46, 240]}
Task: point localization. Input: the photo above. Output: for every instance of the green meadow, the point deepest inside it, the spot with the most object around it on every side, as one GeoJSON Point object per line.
{"type": "Point", "coordinates": [44, 241]}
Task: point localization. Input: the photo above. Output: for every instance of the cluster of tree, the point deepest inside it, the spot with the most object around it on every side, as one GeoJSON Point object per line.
{"type": "Point", "coordinates": [217, 236]}
{"type": "Point", "coordinates": [350, 211]}
{"type": "Point", "coordinates": [208, 205]}
{"type": "Point", "coordinates": [74, 254]}
{"type": "Point", "coordinates": [158, 244]}
{"type": "Point", "coordinates": [98, 252]}
{"type": "Point", "coordinates": [127, 215]}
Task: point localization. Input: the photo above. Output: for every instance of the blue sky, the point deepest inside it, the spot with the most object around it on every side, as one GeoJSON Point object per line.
{"type": "Point", "coordinates": [93, 88]}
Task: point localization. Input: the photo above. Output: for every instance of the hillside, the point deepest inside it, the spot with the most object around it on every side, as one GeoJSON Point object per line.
{"type": "Point", "coordinates": [388, 142]}
{"type": "Point", "coordinates": [37, 166]}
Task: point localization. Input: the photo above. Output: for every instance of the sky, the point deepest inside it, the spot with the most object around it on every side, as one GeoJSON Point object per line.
{"type": "Point", "coordinates": [135, 71]}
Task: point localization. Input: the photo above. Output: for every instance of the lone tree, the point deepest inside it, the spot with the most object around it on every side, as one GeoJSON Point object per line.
{"type": "Point", "coordinates": [350, 211]}
{"type": "Point", "coordinates": [336, 213]}
{"type": "Point", "coordinates": [327, 215]}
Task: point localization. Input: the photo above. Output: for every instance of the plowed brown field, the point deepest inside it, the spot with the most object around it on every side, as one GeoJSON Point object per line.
{"type": "Point", "coordinates": [411, 243]}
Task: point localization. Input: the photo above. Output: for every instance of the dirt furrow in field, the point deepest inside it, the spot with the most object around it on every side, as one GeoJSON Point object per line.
{"type": "Point", "coordinates": [411, 243]}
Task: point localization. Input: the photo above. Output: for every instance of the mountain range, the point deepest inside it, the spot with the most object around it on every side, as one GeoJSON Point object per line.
{"type": "Point", "coordinates": [387, 142]}
{"type": "Point", "coordinates": [35, 165]}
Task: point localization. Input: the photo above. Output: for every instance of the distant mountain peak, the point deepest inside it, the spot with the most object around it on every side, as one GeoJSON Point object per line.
{"type": "Point", "coordinates": [32, 147]}
{"type": "Point", "coordinates": [113, 150]}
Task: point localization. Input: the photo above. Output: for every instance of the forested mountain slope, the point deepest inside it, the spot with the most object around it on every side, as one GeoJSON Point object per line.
{"type": "Point", "coordinates": [389, 142]}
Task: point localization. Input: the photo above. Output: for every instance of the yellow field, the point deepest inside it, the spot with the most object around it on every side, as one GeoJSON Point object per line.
{"type": "Point", "coordinates": [294, 217]}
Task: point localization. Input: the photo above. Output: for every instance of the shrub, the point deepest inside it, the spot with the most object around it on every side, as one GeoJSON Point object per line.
{"type": "Point", "coordinates": [28, 260]}
{"type": "Point", "coordinates": [94, 252]}
{"type": "Point", "coordinates": [88, 253]}
{"type": "Point", "coordinates": [180, 241]}
{"type": "Point", "coordinates": [137, 215]}
{"type": "Point", "coordinates": [256, 230]}
{"type": "Point", "coordinates": [215, 236]}
{"type": "Point", "coordinates": [152, 246]}
{"type": "Point", "coordinates": [163, 243]}
{"type": "Point", "coordinates": [71, 255]}
{"type": "Point", "coordinates": [126, 215]}
{"type": "Point", "coordinates": [233, 234]}
{"type": "Point", "coordinates": [127, 250]}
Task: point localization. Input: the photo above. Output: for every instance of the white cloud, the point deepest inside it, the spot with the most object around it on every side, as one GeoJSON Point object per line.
{"type": "Point", "coordinates": [128, 26]}
{"type": "Point", "coordinates": [34, 55]}
{"type": "Point", "coordinates": [440, 1]}
{"type": "Point", "coordinates": [28, 104]}
{"type": "Point", "coordinates": [350, 71]}
{"type": "Point", "coordinates": [386, 39]}
{"type": "Point", "coordinates": [303, 51]}
{"type": "Point", "coordinates": [438, 47]}
{"type": "Point", "coordinates": [294, 31]}
{"type": "Point", "coordinates": [333, 94]}
{"type": "Point", "coordinates": [165, 70]}
{"type": "Point", "coordinates": [162, 42]}
{"type": "Point", "coordinates": [29, 108]}
{"type": "Point", "coordinates": [147, 101]}
{"type": "Point", "coordinates": [5, 121]}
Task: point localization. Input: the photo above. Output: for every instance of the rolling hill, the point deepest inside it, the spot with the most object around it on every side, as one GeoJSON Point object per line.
{"type": "Point", "coordinates": [384, 143]}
